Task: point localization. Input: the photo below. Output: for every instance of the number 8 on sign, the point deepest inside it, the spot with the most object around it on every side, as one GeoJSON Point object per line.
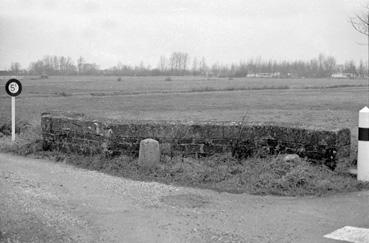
{"type": "Point", "coordinates": [13, 87]}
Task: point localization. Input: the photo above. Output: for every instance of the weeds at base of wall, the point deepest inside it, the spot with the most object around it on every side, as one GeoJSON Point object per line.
{"type": "Point", "coordinates": [28, 141]}
{"type": "Point", "coordinates": [20, 127]}
{"type": "Point", "coordinates": [262, 176]}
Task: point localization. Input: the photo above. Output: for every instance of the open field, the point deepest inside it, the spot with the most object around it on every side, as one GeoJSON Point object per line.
{"type": "Point", "coordinates": [312, 102]}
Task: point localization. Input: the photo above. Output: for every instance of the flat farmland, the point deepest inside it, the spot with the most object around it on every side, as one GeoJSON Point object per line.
{"type": "Point", "coordinates": [311, 102]}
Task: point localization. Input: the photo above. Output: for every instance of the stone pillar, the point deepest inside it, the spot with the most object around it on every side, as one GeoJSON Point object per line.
{"type": "Point", "coordinates": [149, 153]}
{"type": "Point", "coordinates": [363, 146]}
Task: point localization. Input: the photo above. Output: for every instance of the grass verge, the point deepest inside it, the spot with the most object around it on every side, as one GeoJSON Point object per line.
{"type": "Point", "coordinates": [261, 176]}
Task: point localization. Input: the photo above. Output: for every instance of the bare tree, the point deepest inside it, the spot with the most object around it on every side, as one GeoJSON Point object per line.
{"type": "Point", "coordinates": [178, 62]}
{"type": "Point", "coordinates": [203, 66]}
{"type": "Point", "coordinates": [184, 60]}
{"type": "Point", "coordinates": [360, 23]}
{"type": "Point", "coordinates": [163, 64]}
{"type": "Point", "coordinates": [194, 66]}
{"type": "Point", "coordinates": [80, 64]}
{"type": "Point", "coordinates": [15, 67]}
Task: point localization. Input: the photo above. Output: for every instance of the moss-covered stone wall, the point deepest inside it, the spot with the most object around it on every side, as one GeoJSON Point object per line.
{"type": "Point", "coordinates": [72, 132]}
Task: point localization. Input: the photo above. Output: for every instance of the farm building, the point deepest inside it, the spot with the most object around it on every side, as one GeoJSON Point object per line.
{"type": "Point", "coordinates": [343, 75]}
{"type": "Point", "coordinates": [264, 75]}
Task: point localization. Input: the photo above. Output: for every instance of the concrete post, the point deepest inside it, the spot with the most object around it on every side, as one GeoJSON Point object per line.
{"type": "Point", "coordinates": [149, 153]}
{"type": "Point", "coordinates": [363, 146]}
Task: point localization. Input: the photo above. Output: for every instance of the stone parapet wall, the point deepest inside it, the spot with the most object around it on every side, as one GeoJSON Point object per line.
{"type": "Point", "coordinates": [72, 132]}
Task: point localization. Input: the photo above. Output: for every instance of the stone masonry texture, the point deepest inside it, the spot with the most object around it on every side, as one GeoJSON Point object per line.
{"type": "Point", "coordinates": [77, 133]}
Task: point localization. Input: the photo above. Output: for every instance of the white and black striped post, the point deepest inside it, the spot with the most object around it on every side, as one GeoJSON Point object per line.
{"type": "Point", "coordinates": [363, 146]}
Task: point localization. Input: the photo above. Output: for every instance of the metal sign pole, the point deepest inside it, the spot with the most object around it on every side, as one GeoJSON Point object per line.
{"type": "Point", "coordinates": [13, 87]}
{"type": "Point", "coordinates": [13, 118]}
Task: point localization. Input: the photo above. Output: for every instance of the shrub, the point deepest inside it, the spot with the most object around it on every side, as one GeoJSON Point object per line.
{"type": "Point", "coordinates": [20, 126]}
{"type": "Point", "coordinates": [27, 142]}
{"type": "Point", "coordinates": [44, 76]}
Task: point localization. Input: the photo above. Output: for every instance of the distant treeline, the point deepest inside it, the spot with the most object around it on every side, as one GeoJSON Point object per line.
{"type": "Point", "coordinates": [179, 63]}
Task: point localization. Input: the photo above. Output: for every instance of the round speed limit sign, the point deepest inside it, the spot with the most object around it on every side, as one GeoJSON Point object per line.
{"type": "Point", "coordinates": [13, 87]}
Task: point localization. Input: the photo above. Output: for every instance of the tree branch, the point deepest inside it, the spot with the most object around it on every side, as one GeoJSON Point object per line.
{"type": "Point", "coordinates": [362, 20]}
{"type": "Point", "coordinates": [359, 27]}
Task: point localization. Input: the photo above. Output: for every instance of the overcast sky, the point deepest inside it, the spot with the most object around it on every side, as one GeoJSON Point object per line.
{"type": "Point", "coordinates": [224, 31]}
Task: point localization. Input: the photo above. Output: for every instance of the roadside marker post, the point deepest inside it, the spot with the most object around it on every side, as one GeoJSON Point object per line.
{"type": "Point", "coordinates": [363, 146]}
{"type": "Point", "coordinates": [13, 88]}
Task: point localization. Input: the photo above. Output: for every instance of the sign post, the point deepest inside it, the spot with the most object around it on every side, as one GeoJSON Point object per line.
{"type": "Point", "coordinates": [13, 118]}
{"type": "Point", "coordinates": [13, 87]}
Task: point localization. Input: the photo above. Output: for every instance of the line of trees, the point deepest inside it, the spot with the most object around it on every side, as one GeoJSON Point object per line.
{"type": "Point", "coordinates": [179, 63]}
{"type": "Point", "coordinates": [53, 65]}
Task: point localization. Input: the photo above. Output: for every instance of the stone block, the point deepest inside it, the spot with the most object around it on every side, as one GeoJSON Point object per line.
{"type": "Point", "coordinates": [221, 141]}
{"type": "Point", "coordinates": [207, 130]}
{"type": "Point", "coordinates": [185, 141]}
{"type": "Point", "coordinates": [182, 131]}
{"type": "Point", "coordinates": [246, 132]}
{"type": "Point", "coordinates": [179, 147]}
{"type": "Point", "coordinates": [231, 130]}
{"type": "Point", "coordinates": [164, 131]}
{"type": "Point", "coordinates": [149, 153]}
{"type": "Point", "coordinates": [122, 129]}
{"type": "Point", "coordinates": [343, 152]}
{"type": "Point", "coordinates": [343, 137]}
{"type": "Point", "coordinates": [46, 123]}
{"type": "Point", "coordinates": [213, 149]}
{"type": "Point", "coordinates": [144, 130]}
{"type": "Point", "coordinates": [202, 141]}
{"type": "Point", "coordinates": [327, 138]}
{"type": "Point", "coordinates": [166, 148]}
{"type": "Point", "coordinates": [193, 148]}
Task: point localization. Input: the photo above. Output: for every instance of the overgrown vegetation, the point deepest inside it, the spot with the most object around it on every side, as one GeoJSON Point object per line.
{"type": "Point", "coordinates": [28, 140]}
{"type": "Point", "coordinates": [270, 175]}
{"type": "Point", "coordinates": [20, 126]}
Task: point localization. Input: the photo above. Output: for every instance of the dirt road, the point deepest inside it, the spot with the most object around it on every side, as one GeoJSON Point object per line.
{"type": "Point", "coordinates": [43, 201]}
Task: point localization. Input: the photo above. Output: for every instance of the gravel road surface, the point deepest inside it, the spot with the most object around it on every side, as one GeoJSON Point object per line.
{"type": "Point", "coordinates": [44, 201]}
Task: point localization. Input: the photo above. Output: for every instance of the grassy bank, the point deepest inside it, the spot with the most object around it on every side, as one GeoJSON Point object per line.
{"type": "Point", "coordinates": [271, 175]}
